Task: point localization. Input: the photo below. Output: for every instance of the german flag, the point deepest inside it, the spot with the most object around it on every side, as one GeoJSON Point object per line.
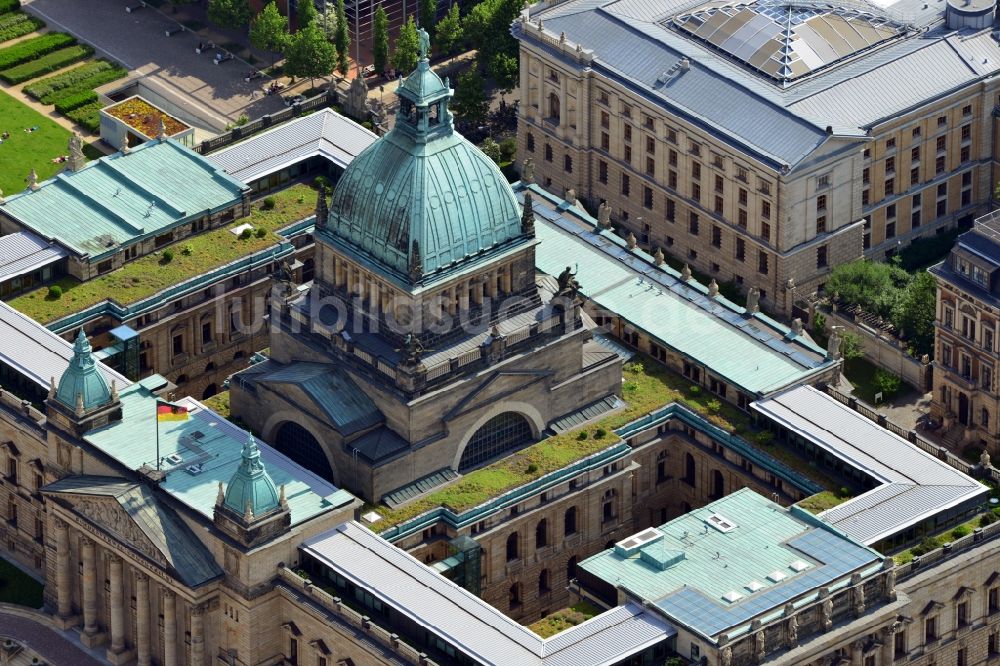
{"type": "Point", "coordinates": [168, 411]}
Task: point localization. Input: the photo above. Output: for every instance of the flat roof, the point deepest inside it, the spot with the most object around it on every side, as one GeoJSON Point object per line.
{"type": "Point", "coordinates": [467, 622]}
{"type": "Point", "coordinates": [213, 446]}
{"type": "Point", "coordinates": [123, 198]}
{"type": "Point", "coordinates": [38, 354]}
{"type": "Point", "coordinates": [914, 485]}
{"type": "Point", "coordinates": [23, 252]}
{"type": "Point", "coordinates": [324, 133]}
{"type": "Point", "coordinates": [750, 351]}
{"type": "Point", "coordinates": [714, 579]}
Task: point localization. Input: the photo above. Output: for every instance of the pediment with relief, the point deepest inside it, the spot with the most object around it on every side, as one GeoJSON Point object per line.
{"type": "Point", "coordinates": [113, 519]}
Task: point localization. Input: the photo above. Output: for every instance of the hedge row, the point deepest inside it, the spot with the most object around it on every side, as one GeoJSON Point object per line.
{"type": "Point", "coordinates": [17, 24]}
{"type": "Point", "coordinates": [47, 63]}
{"type": "Point", "coordinates": [87, 116]}
{"type": "Point", "coordinates": [9, 5]}
{"type": "Point", "coordinates": [70, 102]}
{"type": "Point", "coordinates": [33, 48]}
{"type": "Point", "coordinates": [89, 83]}
{"type": "Point", "coordinates": [54, 87]}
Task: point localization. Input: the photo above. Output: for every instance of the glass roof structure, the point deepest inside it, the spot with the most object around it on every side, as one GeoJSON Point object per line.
{"type": "Point", "coordinates": [786, 41]}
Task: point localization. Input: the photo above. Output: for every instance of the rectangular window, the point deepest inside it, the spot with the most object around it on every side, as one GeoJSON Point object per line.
{"type": "Point", "coordinates": [821, 225]}
{"type": "Point", "coordinates": [765, 231]}
{"type": "Point", "coordinates": [741, 174]}
{"type": "Point", "coordinates": [930, 630]}
{"type": "Point", "coordinates": [693, 224]}
{"type": "Point", "coordinates": [821, 203]}
{"type": "Point", "coordinates": [915, 132]}
{"type": "Point", "coordinates": [890, 211]}
{"type": "Point", "coordinates": [647, 198]}
{"type": "Point", "coordinates": [716, 236]}
{"type": "Point", "coordinates": [762, 262]}
{"type": "Point", "coordinates": [650, 167]}
{"type": "Point", "coordinates": [821, 257]}
{"type": "Point", "coordinates": [741, 218]}
{"type": "Point", "coordinates": [605, 142]}
{"type": "Point", "coordinates": [914, 176]}
{"type": "Point", "coordinates": [696, 191]}
{"type": "Point", "coordinates": [672, 180]}
{"type": "Point", "coordinates": [866, 197]}
{"type": "Point", "coordinates": [627, 153]}
{"type": "Point", "coordinates": [890, 165]}
{"type": "Point", "coordinates": [967, 110]}
{"type": "Point", "coordinates": [765, 210]}
{"type": "Point", "coordinates": [206, 332]}
{"type": "Point", "coordinates": [890, 186]}
{"type": "Point", "coordinates": [602, 171]}
{"type": "Point", "coordinates": [671, 210]}
{"type": "Point", "coordinates": [626, 185]}
{"type": "Point", "coordinates": [650, 145]}
{"type": "Point", "coordinates": [627, 132]}
{"type": "Point", "coordinates": [740, 249]}
{"type": "Point", "coordinates": [605, 120]}
{"type": "Point", "coordinates": [672, 158]}
{"type": "Point", "coordinates": [890, 143]}
{"type": "Point", "coordinates": [890, 230]}
{"type": "Point", "coordinates": [567, 164]}
{"type": "Point", "coordinates": [966, 132]}
{"type": "Point", "coordinates": [965, 154]}
{"type": "Point", "coordinates": [743, 197]}
{"type": "Point", "coordinates": [548, 153]}
{"type": "Point", "coordinates": [719, 184]}
{"type": "Point", "coordinates": [179, 343]}
{"type": "Point", "coordinates": [823, 181]}
{"type": "Point", "coordinates": [696, 170]}
{"type": "Point", "coordinates": [942, 121]}
{"type": "Point", "coordinates": [940, 143]}
{"type": "Point", "coordinates": [718, 208]}
{"type": "Point", "coordinates": [866, 175]}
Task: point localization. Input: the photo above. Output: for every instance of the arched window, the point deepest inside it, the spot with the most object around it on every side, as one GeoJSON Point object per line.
{"type": "Point", "coordinates": [569, 522]}
{"type": "Point", "coordinates": [514, 595]}
{"type": "Point", "coordinates": [238, 355]}
{"type": "Point", "coordinates": [542, 534]}
{"type": "Point", "coordinates": [571, 569]}
{"type": "Point", "coordinates": [298, 444]}
{"type": "Point", "coordinates": [512, 543]}
{"type": "Point", "coordinates": [501, 434]}
{"type": "Point", "coordinates": [183, 379]}
{"type": "Point", "coordinates": [210, 367]}
{"type": "Point", "coordinates": [718, 484]}
{"type": "Point", "coordinates": [689, 471]}
{"type": "Point", "coordinates": [543, 582]}
{"type": "Point", "coordinates": [554, 106]}
{"type": "Point", "coordinates": [209, 391]}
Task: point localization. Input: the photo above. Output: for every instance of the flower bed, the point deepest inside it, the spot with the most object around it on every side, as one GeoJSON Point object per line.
{"type": "Point", "coordinates": [47, 63]}
{"type": "Point", "coordinates": [142, 116]}
{"type": "Point", "coordinates": [85, 77]}
{"type": "Point", "coordinates": [17, 24]}
{"type": "Point", "coordinates": [33, 48]}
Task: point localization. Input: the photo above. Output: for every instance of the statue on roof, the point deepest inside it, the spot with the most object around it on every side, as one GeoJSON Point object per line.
{"type": "Point", "coordinates": [568, 285]}
{"type": "Point", "coordinates": [528, 215]}
{"type": "Point", "coordinates": [604, 215]}
{"type": "Point", "coordinates": [76, 158]}
{"type": "Point", "coordinates": [412, 349]}
{"type": "Point", "coordinates": [424, 42]}
{"type": "Point", "coordinates": [753, 300]}
{"type": "Point", "coordinates": [32, 180]}
{"type": "Point", "coordinates": [528, 171]}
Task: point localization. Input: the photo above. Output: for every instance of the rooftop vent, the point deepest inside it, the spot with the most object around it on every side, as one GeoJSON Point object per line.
{"type": "Point", "coordinates": [194, 470]}
{"type": "Point", "coordinates": [720, 523]}
{"type": "Point", "coordinates": [631, 545]}
{"type": "Point", "coordinates": [174, 459]}
{"type": "Point", "coordinates": [732, 596]}
{"type": "Point", "coordinates": [776, 576]}
{"type": "Point", "coordinates": [798, 566]}
{"type": "Point", "coordinates": [753, 586]}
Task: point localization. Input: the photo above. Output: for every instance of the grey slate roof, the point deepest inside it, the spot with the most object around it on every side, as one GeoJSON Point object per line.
{"type": "Point", "coordinates": [188, 557]}
{"type": "Point", "coordinates": [325, 133]}
{"type": "Point", "coordinates": [781, 125]}
{"type": "Point", "coordinates": [464, 620]}
{"type": "Point", "coordinates": [37, 353]}
{"type": "Point", "coordinates": [23, 252]}
{"type": "Point", "coordinates": [913, 485]}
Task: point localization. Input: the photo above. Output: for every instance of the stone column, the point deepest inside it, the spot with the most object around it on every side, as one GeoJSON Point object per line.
{"type": "Point", "coordinates": [89, 588]}
{"type": "Point", "coordinates": [491, 284]}
{"type": "Point", "coordinates": [197, 636]}
{"type": "Point", "coordinates": [373, 296]}
{"type": "Point", "coordinates": [142, 618]}
{"type": "Point", "coordinates": [857, 653]}
{"type": "Point", "coordinates": [463, 296]}
{"type": "Point", "coordinates": [477, 290]}
{"type": "Point", "coordinates": [508, 279]}
{"type": "Point", "coordinates": [63, 577]}
{"type": "Point", "coordinates": [169, 629]}
{"type": "Point", "coordinates": [117, 607]}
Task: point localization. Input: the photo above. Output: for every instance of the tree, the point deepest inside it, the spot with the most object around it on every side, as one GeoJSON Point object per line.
{"type": "Point", "coordinates": [470, 102]}
{"type": "Point", "coordinates": [229, 13]}
{"type": "Point", "coordinates": [448, 34]}
{"type": "Point", "coordinates": [914, 315]}
{"type": "Point", "coordinates": [327, 20]}
{"type": "Point", "coordinates": [488, 26]}
{"type": "Point", "coordinates": [850, 346]}
{"type": "Point", "coordinates": [886, 383]}
{"type": "Point", "coordinates": [310, 54]}
{"type": "Point", "coordinates": [428, 14]}
{"type": "Point", "coordinates": [491, 149]}
{"type": "Point", "coordinates": [269, 30]}
{"type": "Point", "coordinates": [404, 57]}
{"type": "Point", "coordinates": [380, 46]}
{"type": "Point", "coordinates": [342, 40]}
{"type": "Point", "coordinates": [306, 13]}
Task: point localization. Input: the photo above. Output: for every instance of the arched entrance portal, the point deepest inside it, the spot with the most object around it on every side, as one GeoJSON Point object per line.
{"type": "Point", "coordinates": [501, 434]}
{"type": "Point", "coordinates": [298, 444]}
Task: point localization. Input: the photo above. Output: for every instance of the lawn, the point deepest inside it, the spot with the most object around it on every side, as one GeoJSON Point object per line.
{"type": "Point", "coordinates": [861, 374]}
{"type": "Point", "coordinates": [563, 619]}
{"type": "Point", "coordinates": [192, 256]}
{"type": "Point", "coordinates": [23, 150]}
{"type": "Point", "coordinates": [17, 587]}
{"type": "Point", "coordinates": [219, 403]}
{"type": "Point", "coordinates": [646, 386]}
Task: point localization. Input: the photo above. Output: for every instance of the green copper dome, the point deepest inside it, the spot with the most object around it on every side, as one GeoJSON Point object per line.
{"type": "Point", "coordinates": [83, 379]}
{"type": "Point", "coordinates": [423, 197]}
{"type": "Point", "coordinates": [251, 486]}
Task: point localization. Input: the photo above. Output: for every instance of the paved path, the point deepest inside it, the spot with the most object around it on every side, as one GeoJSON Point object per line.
{"type": "Point", "coordinates": [53, 646]}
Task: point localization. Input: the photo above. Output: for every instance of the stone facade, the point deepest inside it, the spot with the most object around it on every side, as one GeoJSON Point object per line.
{"type": "Point", "coordinates": [682, 188]}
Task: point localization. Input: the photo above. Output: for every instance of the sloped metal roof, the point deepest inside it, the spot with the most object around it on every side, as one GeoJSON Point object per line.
{"type": "Point", "coordinates": [23, 252]}
{"type": "Point", "coordinates": [120, 199]}
{"type": "Point", "coordinates": [467, 622]}
{"type": "Point", "coordinates": [914, 485]}
{"type": "Point", "coordinates": [38, 354]}
{"type": "Point", "coordinates": [189, 558]}
{"type": "Point", "coordinates": [324, 133]}
{"type": "Point", "coordinates": [751, 352]}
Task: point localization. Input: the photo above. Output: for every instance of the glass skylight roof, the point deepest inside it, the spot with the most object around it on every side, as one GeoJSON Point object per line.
{"type": "Point", "coordinates": [786, 40]}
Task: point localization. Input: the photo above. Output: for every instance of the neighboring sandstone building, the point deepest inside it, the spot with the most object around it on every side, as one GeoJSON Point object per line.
{"type": "Point", "coordinates": [966, 359]}
{"type": "Point", "coordinates": [764, 141]}
{"type": "Point", "coordinates": [425, 345]}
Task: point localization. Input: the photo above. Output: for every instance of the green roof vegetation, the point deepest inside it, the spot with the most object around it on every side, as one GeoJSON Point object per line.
{"type": "Point", "coordinates": [219, 403]}
{"type": "Point", "coordinates": [646, 386]}
{"type": "Point", "coordinates": [24, 151]}
{"type": "Point", "coordinates": [827, 499]}
{"type": "Point", "coordinates": [17, 587]}
{"type": "Point", "coordinates": [564, 618]}
{"type": "Point", "coordinates": [933, 542]}
{"type": "Point", "coordinates": [181, 261]}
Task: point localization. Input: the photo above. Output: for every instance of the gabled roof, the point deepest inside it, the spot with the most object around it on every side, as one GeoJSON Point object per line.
{"type": "Point", "coordinates": [912, 484]}
{"type": "Point", "coordinates": [325, 133]}
{"type": "Point", "coordinates": [189, 559]}
{"type": "Point", "coordinates": [120, 199]}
